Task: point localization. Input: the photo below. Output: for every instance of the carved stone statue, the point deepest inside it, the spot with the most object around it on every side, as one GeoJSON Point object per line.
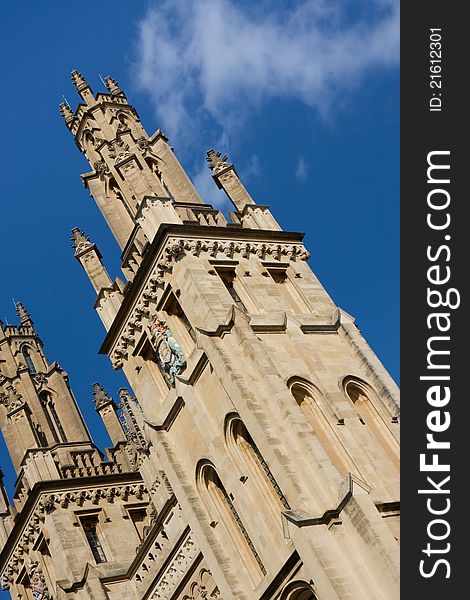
{"type": "Point", "coordinates": [169, 354]}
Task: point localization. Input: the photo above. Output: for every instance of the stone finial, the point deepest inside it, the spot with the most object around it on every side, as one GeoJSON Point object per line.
{"type": "Point", "coordinates": [100, 396]}
{"type": "Point", "coordinates": [112, 85]}
{"type": "Point", "coordinates": [216, 161]}
{"type": "Point", "coordinates": [22, 313]}
{"type": "Point", "coordinates": [80, 241]}
{"type": "Point", "coordinates": [66, 112]}
{"type": "Point", "coordinates": [78, 80]}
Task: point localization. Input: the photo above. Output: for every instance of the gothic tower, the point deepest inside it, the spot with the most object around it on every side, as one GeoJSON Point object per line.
{"type": "Point", "coordinates": [261, 414]}
{"type": "Point", "coordinates": [73, 508]}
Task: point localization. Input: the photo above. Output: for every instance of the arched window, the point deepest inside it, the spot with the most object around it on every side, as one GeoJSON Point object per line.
{"type": "Point", "coordinates": [308, 400]}
{"type": "Point", "coordinates": [28, 360]}
{"type": "Point", "coordinates": [252, 463]}
{"type": "Point", "coordinates": [298, 590]}
{"type": "Point", "coordinates": [221, 509]}
{"type": "Point", "coordinates": [52, 417]}
{"type": "Point", "coordinates": [366, 403]}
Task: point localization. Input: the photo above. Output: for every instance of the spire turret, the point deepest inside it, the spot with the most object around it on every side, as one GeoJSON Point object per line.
{"type": "Point", "coordinates": [126, 164]}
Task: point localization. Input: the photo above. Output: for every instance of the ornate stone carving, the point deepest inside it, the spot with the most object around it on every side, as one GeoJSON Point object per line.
{"type": "Point", "coordinates": [50, 502]}
{"type": "Point", "coordinates": [38, 581]}
{"type": "Point", "coordinates": [80, 241]}
{"type": "Point", "coordinates": [11, 399]}
{"type": "Point", "coordinates": [22, 312]}
{"type": "Point", "coordinates": [101, 169]}
{"type": "Point", "coordinates": [175, 571]}
{"type": "Point", "coordinates": [169, 355]}
{"type": "Point", "coordinates": [217, 162]}
{"type": "Point", "coordinates": [66, 112]}
{"type": "Point", "coordinates": [78, 80]}
{"type": "Point", "coordinates": [118, 150]}
{"type": "Point", "coordinates": [132, 426]}
{"type": "Point", "coordinates": [112, 85]}
{"type": "Point", "coordinates": [202, 587]}
{"type": "Point", "coordinates": [100, 396]}
{"type": "Point", "coordinates": [40, 380]}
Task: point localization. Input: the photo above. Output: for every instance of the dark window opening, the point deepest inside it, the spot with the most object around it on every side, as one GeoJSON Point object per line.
{"type": "Point", "coordinates": [228, 277]}
{"type": "Point", "coordinates": [57, 422]}
{"type": "Point", "coordinates": [173, 308]}
{"type": "Point", "coordinates": [139, 518]}
{"type": "Point", "coordinates": [279, 275]}
{"type": "Point", "coordinates": [29, 361]}
{"type": "Point", "coordinates": [89, 527]}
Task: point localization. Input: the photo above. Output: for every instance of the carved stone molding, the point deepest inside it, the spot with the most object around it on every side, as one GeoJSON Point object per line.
{"type": "Point", "coordinates": [175, 571]}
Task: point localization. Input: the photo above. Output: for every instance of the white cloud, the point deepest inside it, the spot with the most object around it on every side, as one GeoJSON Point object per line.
{"type": "Point", "coordinates": [301, 169]}
{"type": "Point", "coordinates": [208, 190]}
{"type": "Point", "coordinates": [212, 62]}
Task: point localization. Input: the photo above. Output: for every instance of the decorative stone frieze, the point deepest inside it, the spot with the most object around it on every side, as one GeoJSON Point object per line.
{"type": "Point", "coordinates": [176, 569]}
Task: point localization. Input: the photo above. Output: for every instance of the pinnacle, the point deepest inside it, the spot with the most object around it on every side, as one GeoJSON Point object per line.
{"type": "Point", "coordinates": [22, 313]}
{"type": "Point", "coordinates": [79, 240]}
{"type": "Point", "coordinates": [215, 159]}
{"type": "Point", "coordinates": [66, 111]}
{"type": "Point", "coordinates": [100, 395]}
{"type": "Point", "coordinates": [77, 79]}
{"type": "Point", "coordinates": [112, 85]}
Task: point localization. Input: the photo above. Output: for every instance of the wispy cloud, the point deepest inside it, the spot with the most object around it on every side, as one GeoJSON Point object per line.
{"type": "Point", "coordinates": [301, 169]}
{"type": "Point", "coordinates": [251, 169]}
{"type": "Point", "coordinates": [211, 64]}
{"type": "Point", "coordinates": [208, 190]}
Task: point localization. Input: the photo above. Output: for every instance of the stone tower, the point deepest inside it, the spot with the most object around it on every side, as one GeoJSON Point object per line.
{"type": "Point", "coordinates": [67, 493]}
{"type": "Point", "coordinates": [264, 430]}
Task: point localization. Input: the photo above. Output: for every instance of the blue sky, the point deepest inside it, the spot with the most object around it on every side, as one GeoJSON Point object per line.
{"type": "Point", "coordinates": [302, 96]}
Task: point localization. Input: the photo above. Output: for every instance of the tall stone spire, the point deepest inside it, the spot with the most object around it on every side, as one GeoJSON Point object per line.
{"type": "Point", "coordinates": [127, 165]}
{"type": "Point", "coordinates": [37, 406]}
{"type": "Point", "coordinates": [277, 440]}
